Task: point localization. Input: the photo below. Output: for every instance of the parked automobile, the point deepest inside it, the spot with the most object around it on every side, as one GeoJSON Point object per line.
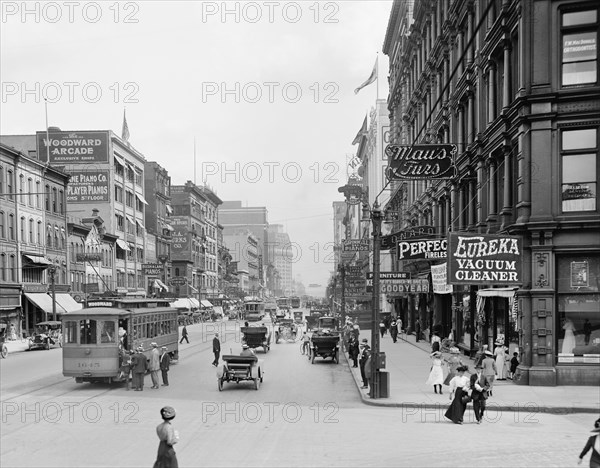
{"type": "Point", "coordinates": [47, 334]}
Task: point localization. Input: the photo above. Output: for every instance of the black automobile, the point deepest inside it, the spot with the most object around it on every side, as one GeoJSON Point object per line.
{"type": "Point", "coordinates": [47, 334]}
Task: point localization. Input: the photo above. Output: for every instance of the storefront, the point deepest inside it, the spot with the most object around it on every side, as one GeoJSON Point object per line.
{"type": "Point", "coordinates": [10, 311]}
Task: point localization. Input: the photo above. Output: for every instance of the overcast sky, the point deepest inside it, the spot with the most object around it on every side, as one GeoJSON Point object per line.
{"type": "Point", "coordinates": [266, 89]}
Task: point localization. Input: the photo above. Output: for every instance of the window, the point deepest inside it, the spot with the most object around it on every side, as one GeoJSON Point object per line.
{"type": "Point", "coordinates": [87, 331]}
{"type": "Point", "coordinates": [1, 181]}
{"type": "Point", "coordinates": [31, 236]}
{"type": "Point", "coordinates": [107, 334]}
{"type": "Point", "coordinates": [30, 190]}
{"type": "Point", "coordinates": [61, 202]}
{"type": "Point", "coordinates": [47, 195]}
{"type": "Point", "coordinates": [38, 188]}
{"type": "Point", "coordinates": [11, 227]}
{"type": "Point", "coordinates": [9, 184]}
{"type": "Point", "coordinates": [119, 219]}
{"type": "Point", "coordinates": [2, 225]}
{"type": "Point", "coordinates": [21, 188]}
{"type": "Point", "coordinates": [22, 232]}
{"type": "Point", "coordinates": [579, 169]}
{"type": "Point", "coordinates": [119, 193]}
{"type": "Point", "coordinates": [39, 233]}
{"type": "Point", "coordinates": [579, 47]}
{"type": "Point", "coordinates": [12, 269]}
{"type": "Point", "coordinates": [70, 332]}
{"type": "Point", "coordinates": [3, 267]}
{"type": "Point", "coordinates": [54, 200]}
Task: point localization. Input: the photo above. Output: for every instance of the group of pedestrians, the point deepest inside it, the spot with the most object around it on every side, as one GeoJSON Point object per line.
{"type": "Point", "coordinates": [134, 366]}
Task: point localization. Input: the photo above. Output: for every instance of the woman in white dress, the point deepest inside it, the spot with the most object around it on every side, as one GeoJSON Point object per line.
{"type": "Point", "coordinates": [436, 376]}
{"type": "Point", "coordinates": [569, 340]}
{"type": "Point", "coordinates": [500, 353]}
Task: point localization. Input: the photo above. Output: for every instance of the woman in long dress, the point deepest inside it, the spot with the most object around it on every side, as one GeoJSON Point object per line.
{"type": "Point", "coordinates": [459, 387]}
{"type": "Point", "coordinates": [436, 375]}
{"type": "Point", "coordinates": [569, 340]}
{"type": "Point", "coordinates": [500, 353]}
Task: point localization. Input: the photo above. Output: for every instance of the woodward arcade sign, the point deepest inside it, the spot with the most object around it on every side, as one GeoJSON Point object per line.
{"type": "Point", "coordinates": [484, 259]}
{"type": "Point", "coordinates": [73, 147]}
{"type": "Point", "coordinates": [419, 161]}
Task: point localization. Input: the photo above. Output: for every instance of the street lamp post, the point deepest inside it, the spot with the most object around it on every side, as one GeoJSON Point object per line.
{"type": "Point", "coordinates": [376, 218]}
{"type": "Point", "coordinates": [52, 273]}
{"type": "Point", "coordinates": [343, 307]}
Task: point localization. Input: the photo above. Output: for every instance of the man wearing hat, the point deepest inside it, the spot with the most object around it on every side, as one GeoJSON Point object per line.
{"type": "Point", "coordinates": [489, 368]}
{"type": "Point", "coordinates": [154, 364]}
{"type": "Point", "coordinates": [246, 351]}
{"type": "Point", "coordinates": [365, 353]}
{"type": "Point", "coordinates": [216, 349]}
{"type": "Point", "coordinates": [594, 444]}
{"type": "Point", "coordinates": [139, 366]}
{"type": "Point", "coordinates": [479, 385]}
{"type": "Point", "coordinates": [165, 363]}
{"type": "Point", "coordinates": [168, 437]}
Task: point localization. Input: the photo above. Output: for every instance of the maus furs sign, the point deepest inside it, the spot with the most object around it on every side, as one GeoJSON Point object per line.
{"type": "Point", "coordinates": [484, 259]}
{"type": "Point", "coordinates": [419, 161]}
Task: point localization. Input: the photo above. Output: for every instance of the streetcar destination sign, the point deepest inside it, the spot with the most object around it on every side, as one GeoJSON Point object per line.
{"type": "Point", "coordinates": [419, 161]}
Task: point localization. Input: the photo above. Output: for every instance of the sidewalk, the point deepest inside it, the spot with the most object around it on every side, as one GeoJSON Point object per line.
{"type": "Point", "coordinates": [408, 364]}
{"type": "Point", "coordinates": [16, 346]}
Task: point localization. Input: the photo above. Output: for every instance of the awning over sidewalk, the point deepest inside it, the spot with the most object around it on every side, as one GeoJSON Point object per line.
{"type": "Point", "coordinates": [43, 301]}
{"type": "Point", "coordinates": [122, 245]}
{"type": "Point", "coordinates": [206, 303]}
{"type": "Point", "coordinates": [158, 284]}
{"type": "Point", "coordinates": [182, 303]}
{"type": "Point", "coordinates": [497, 292]}
{"type": "Point", "coordinates": [67, 302]}
{"type": "Point", "coordinates": [38, 259]}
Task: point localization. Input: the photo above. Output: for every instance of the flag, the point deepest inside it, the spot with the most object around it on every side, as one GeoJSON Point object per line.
{"type": "Point", "coordinates": [361, 132]}
{"type": "Point", "coordinates": [125, 131]}
{"type": "Point", "coordinates": [370, 80]}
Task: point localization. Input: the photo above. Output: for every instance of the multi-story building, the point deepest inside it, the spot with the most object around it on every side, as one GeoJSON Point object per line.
{"type": "Point", "coordinates": [281, 255]}
{"type": "Point", "coordinates": [244, 247]}
{"type": "Point", "coordinates": [232, 215]}
{"type": "Point", "coordinates": [515, 86]}
{"type": "Point", "coordinates": [107, 174]}
{"type": "Point", "coordinates": [33, 236]}
{"type": "Point", "coordinates": [210, 278]}
{"type": "Point", "coordinates": [157, 184]}
{"type": "Point", "coordinates": [188, 247]}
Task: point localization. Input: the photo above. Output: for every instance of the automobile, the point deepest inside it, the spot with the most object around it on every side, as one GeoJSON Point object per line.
{"type": "Point", "coordinates": [47, 334]}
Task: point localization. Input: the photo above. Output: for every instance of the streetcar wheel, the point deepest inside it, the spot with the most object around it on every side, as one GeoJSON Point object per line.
{"type": "Point", "coordinates": [4, 351]}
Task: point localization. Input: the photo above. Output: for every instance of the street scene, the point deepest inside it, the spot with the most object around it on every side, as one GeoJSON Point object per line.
{"type": "Point", "coordinates": [329, 233]}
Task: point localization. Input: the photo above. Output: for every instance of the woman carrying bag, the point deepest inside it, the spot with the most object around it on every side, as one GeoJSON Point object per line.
{"type": "Point", "coordinates": [459, 388]}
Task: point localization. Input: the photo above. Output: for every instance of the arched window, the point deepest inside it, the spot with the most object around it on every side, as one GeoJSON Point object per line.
{"type": "Point", "coordinates": [39, 233]}
{"type": "Point", "coordinates": [11, 227]}
{"type": "Point", "coordinates": [54, 200]}
{"type": "Point", "coordinates": [56, 244]}
{"type": "Point", "coordinates": [38, 189]}
{"type": "Point", "coordinates": [47, 197]}
{"type": "Point", "coordinates": [31, 236]}
{"type": "Point", "coordinates": [49, 238]}
{"type": "Point", "coordinates": [3, 267]}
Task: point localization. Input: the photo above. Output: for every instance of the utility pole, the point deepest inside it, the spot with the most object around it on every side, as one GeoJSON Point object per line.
{"type": "Point", "coordinates": [343, 311]}
{"type": "Point", "coordinates": [52, 273]}
{"type": "Point", "coordinates": [376, 218]}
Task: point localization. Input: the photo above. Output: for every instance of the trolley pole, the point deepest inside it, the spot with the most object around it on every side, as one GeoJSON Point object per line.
{"type": "Point", "coordinates": [375, 380]}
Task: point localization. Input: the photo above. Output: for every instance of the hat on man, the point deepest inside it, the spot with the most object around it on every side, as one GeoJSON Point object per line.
{"type": "Point", "coordinates": [164, 347]}
{"type": "Point", "coordinates": [454, 350]}
{"type": "Point", "coordinates": [245, 346]}
{"type": "Point", "coordinates": [364, 340]}
{"type": "Point", "coordinates": [167, 413]}
{"type": "Point", "coordinates": [488, 352]}
{"type": "Point", "coordinates": [596, 426]}
{"type": "Point", "coordinates": [462, 369]}
{"type": "Point", "coordinates": [154, 345]}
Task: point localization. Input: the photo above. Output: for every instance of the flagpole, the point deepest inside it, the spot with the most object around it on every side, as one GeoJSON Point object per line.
{"type": "Point", "coordinates": [194, 160]}
{"type": "Point", "coordinates": [377, 74]}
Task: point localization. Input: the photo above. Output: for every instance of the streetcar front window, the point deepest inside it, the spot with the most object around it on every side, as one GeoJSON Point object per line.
{"type": "Point", "coordinates": [70, 332]}
{"type": "Point", "coordinates": [107, 334]}
{"type": "Point", "coordinates": [87, 331]}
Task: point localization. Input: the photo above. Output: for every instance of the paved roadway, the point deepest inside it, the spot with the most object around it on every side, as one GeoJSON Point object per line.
{"type": "Point", "coordinates": [302, 415]}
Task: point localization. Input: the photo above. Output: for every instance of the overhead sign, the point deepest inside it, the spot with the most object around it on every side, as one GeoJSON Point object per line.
{"type": "Point", "coordinates": [354, 270]}
{"type": "Point", "coordinates": [89, 257]}
{"type": "Point", "coordinates": [398, 287]}
{"type": "Point", "coordinates": [72, 147]}
{"type": "Point", "coordinates": [355, 245]}
{"type": "Point", "coordinates": [484, 259]}
{"type": "Point", "coordinates": [152, 268]}
{"type": "Point", "coordinates": [390, 241]}
{"type": "Point", "coordinates": [439, 279]}
{"type": "Point", "coordinates": [178, 281]}
{"type": "Point", "coordinates": [353, 193]}
{"type": "Point", "coordinates": [429, 249]}
{"type": "Point", "coordinates": [419, 161]}
{"type": "Point", "coordinates": [390, 275]}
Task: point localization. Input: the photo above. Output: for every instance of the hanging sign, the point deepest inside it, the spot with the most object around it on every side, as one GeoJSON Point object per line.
{"type": "Point", "coordinates": [420, 161]}
{"type": "Point", "coordinates": [484, 259]}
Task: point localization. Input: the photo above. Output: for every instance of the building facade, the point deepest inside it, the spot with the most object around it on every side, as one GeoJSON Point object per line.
{"type": "Point", "coordinates": [515, 86]}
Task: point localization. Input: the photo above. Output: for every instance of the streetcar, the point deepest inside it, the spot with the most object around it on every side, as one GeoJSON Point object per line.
{"type": "Point", "coordinates": [254, 309]}
{"type": "Point", "coordinates": [283, 303]}
{"type": "Point", "coordinates": [295, 302]}
{"type": "Point", "coordinates": [97, 339]}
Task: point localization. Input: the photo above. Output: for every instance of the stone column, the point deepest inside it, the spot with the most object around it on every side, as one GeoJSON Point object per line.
{"type": "Point", "coordinates": [492, 204]}
{"type": "Point", "coordinates": [471, 118]}
{"type": "Point", "coordinates": [491, 91]}
{"type": "Point", "coordinates": [506, 88]}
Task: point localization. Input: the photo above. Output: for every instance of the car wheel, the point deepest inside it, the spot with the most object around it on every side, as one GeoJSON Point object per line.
{"type": "Point", "coordinates": [256, 384]}
{"type": "Point", "coordinates": [4, 351]}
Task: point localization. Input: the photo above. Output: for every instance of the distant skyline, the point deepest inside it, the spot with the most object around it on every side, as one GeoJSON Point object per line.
{"type": "Point", "coordinates": [265, 92]}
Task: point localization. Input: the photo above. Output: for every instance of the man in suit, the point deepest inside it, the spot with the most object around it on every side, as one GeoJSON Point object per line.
{"type": "Point", "coordinates": [365, 352]}
{"type": "Point", "coordinates": [140, 366]}
{"type": "Point", "coordinates": [479, 392]}
{"type": "Point", "coordinates": [489, 368]}
{"type": "Point", "coordinates": [165, 363]}
{"type": "Point", "coordinates": [216, 349]}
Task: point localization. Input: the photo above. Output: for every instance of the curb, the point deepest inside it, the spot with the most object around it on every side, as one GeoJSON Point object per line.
{"type": "Point", "coordinates": [527, 409]}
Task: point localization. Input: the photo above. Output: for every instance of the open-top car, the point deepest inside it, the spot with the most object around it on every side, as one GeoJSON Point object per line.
{"type": "Point", "coordinates": [285, 329]}
{"type": "Point", "coordinates": [47, 334]}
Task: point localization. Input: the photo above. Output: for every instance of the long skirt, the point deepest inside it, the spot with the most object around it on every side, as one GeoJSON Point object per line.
{"type": "Point", "coordinates": [457, 408]}
{"type": "Point", "coordinates": [166, 456]}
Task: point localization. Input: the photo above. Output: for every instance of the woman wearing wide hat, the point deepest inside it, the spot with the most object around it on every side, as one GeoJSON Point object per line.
{"type": "Point", "coordinates": [436, 374]}
{"type": "Point", "coordinates": [500, 353]}
{"type": "Point", "coordinates": [489, 368]}
{"type": "Point", "coordinates": [168, 437]}
{"type": "Point", "coordinates": [459, 387]}
{"type": "Point", "coordinates": [594, 444]}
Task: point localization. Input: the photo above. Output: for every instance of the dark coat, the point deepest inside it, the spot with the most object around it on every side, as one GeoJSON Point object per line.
{"type": "Point", "coordinates": [139, 363]}
{"type": "Point", "coordinates": [165, 362]}
{"type": "Point", "coordinates": [216, 345]}
{"type": "Point", "coordinates": [483, 382]}
{"type": "Point", "coordinates": [184, 331]}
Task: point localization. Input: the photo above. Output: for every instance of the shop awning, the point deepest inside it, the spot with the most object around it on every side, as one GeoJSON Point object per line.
{"type": "Point", "coordinates": [183, 303]}
{"type": "Point", "coordinates": [39, 259]}
{"type": "Point", "coordinates": [140, 198]}
{"type": "Point", "coordinates": [123, 245]}
{"type": "Point", "coordinates": [67, 302]}
{"type": "Point", "coordinates": [119, 159]}
{"type": "Point", "coordinates": [158, 284]}
{"type": "Point", "coordinates": [206, 303]}
{"type": "Point", "coordinates": [139, 223]}
{"type": "Point", "coordinates": [43, 301]}
{"type": "Point", "coordinates": [195, 302]}
{"type": "Point", "coordinates": [130, 219]}
{"type": "Point", "coordinates": [168, 227]}
{"type": "Point", "coordinates": [193, 288]}
{"type": "Point", "coordinates": [497, 292]}
{"type": "Point", "coordinates": [169, 209]}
